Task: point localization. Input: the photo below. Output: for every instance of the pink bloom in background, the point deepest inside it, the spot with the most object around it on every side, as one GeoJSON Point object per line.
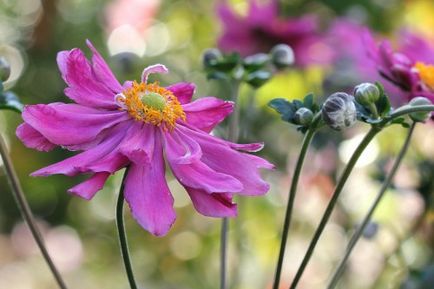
{"type": "Point", "coordinates": [410, 68]}
{"type": "Point", "coordinates": [263, 28]}
{"type": "Point", "coordinates": [136, 13]}
{"type": "Point", "coordinates": [138, 125]}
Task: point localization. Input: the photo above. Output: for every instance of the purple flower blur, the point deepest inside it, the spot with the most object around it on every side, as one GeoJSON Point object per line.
{"type": "Point", "coordinates": [263, 28]}
{"type": "Point", "coordinates": [410, 68]}
{"type": "Point", "coordinates": [133, 126]}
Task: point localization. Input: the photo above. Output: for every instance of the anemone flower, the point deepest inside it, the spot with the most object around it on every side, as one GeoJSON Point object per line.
{"type": "Point", "coordinates": [139, 125]}
{"type": "Point", "coordinates": [410, 68]}
{"type": "Point", "coordinates": [263, 27]}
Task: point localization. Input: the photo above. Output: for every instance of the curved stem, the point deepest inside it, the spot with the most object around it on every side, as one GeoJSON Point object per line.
{"type": "Point", "coordinates": [357, 153]}
{"type": "Point", "coordinates": [407, 109]}
{"type": "Point", "coordinates": [232, 136]}
{"type": "Point", "coordinates": [291, 198]}
{"type": "Point", "coordinates": [26, 212]}
{"type": "Point", "coordinates": [122, 234]}
{"type": "Point", "coordinates": [354, 239]}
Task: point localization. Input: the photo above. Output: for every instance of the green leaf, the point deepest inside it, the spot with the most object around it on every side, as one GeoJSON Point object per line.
{"type": "Point", "coordinates": [383, 103]}
{"type": "Point", "coordinates": [308, 101]}
{"type": "Point", "coordinates": [284, 108]}
{"type": "Point", "coordinates": [217, 75]}
{"type": "Point", "coordinates": [255, 62]}
{"type": "Point", "coordinates": [297, 104]}
{"type": "Point", "coordinates": [8, 100]}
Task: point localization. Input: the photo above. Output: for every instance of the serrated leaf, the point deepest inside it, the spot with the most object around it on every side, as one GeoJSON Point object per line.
{"type": "Point", "coordinates": [297, 104]}
{"type": "Point", "coordinates": [8, 100]}
{"type": "Point", "coordinates": [308, 101]}
{"type": "Point", "coordinates": [283, 107]}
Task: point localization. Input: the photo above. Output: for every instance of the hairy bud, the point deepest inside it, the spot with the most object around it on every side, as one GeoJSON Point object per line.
{"type": "Point", "coordinates": [366, 93]}
{"type": "Point", "coordinates": [303, 116]}
{"type": "Point", "coordinates": [282, 56]}
{"type": "Point", "coordinates": [211, 56]}
{"type": "Point", "coordinates": [420, 116]}
{"type": "Point", "coordinates": [339, 111]}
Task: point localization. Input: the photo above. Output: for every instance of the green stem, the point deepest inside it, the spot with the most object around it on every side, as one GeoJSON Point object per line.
{"type": "Point", "coordinates": [122, 234]}
{"type": "Point", "coordinates": [232, 136]}
{"type": "Point", "coordinates": [26, 212]}
{"type": "Point", "coordinates": [406, 110]}
{"type": "Point", "coordinates": [291, 198]}
{"type": "Point", "coordinates": [355, 238]}
{"type": "Point", "coordinates": [357, 153]}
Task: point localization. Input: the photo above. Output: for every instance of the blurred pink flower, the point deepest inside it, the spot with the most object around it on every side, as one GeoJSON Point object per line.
{"type": "Point", "coordinates": [134, 125]}
{"type": "Point", "coordinates": [136, 13]}
{"type": "Point", "coordinates": [410, 68]}
{"type": "Point", "coordinates": [264, 28]}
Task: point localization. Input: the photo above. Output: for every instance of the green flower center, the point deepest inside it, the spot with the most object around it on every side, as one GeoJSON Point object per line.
{"type": "Point", "coordinates": [154, 100]}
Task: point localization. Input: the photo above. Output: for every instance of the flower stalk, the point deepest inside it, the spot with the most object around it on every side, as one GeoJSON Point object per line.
{"type": "Point", "coordinates": [339, 187]}
{"type": "Point", "coordinates": [26, 212]}
{"type": "Point", "coordinates": [123, 242]}
{"type": "Point", "coordinates": [358, 233]}
{"type": "Point", "coordinates": [291, 198]}
{"type": "Point", "coordinates": [233, 132]}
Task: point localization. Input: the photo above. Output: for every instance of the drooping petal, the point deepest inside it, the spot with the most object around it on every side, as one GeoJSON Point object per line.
{"type": "Point", "coordinates": [138, 144]}
{"type": "Point", "coordinates": [70, 124]}
{"type": "Point", "coordinates": [102, 70]}
{"type": "Point", "coordinates": [84, 86]}
{"type": "Point", "coordinates": [33, 139]}
{"type": "Point", "coordinates": [91, 186]}
{"type": "Point", "coordinates": [103, 157]}
{"type": "Point", "coordinates": [156, 68]}
{"type": "Point", "coordinates": [222, 158]}
{"type": "Point", "coordinates": [192, 172]}
{"type": "Point", "coordinates": [205, 113]}
{"type": "Point", "coordinates": [148, 195]}
{"type": "Point", "coordinates": [183, 91]}
{"type": "Point", "coordinates": [217, 205]}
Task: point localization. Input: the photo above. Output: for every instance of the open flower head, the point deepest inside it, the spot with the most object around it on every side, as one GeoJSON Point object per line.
{"type": "Point", "coordinates": [139, 125]}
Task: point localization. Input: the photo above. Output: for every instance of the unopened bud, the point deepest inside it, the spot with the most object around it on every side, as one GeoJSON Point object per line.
{"type": "Point", "coordinates": [366, 93]}
{"type": "Point", "coordinates": [303, 116]}
{"type": "Point", "coordinates": [339, 111]}
{"type": "Point", "coordinates": [422, 115]}
{"type": "Point", "coordinates": [211, 56]}
{"type": "Point", "coordinates": [5, 69]}
{"type": "Point", "coordinates": [282, 56]}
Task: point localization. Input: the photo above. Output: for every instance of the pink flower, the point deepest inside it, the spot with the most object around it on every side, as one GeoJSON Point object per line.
{"type": "Point", "coordinates": [410, 68]}
{"type": "Point", "coordinates": [263, 28]}
{"type": "Point", "coordinates": [134, 125]}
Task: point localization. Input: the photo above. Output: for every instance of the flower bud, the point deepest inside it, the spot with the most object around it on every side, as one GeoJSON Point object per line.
{"type": "Point", "coordinates": [422, 115]}
{"type": "Point", "coordinates": [282, 56]}
{"type": "Point", "coordinates": [211, 56]}
{"type": "Point", "coordinates": [303, 116]}
{"type": "Point", "coordinates": [339, 111]}
{"type": "Point", "coordinates": [5, 69]}
{"type": "Point", "coordinates": [366, 93]}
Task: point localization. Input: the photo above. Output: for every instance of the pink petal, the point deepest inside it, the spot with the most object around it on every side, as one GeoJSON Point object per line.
{"type": "Point", "coordinates": [90, 187]}
{"type": "Point", "coordinates": [213, 205]}
{"type": "Point", "coordinates": [102, 70]}
{"type": "Point", "coordinates": [84, 85]}
{"type": "Point", "coordinates": [222, 158]}
{"type": "Point", "coordinates": [183, 91]}
{"type": "Point", "coordinates": [192, 172]}
{"type": "Point", "coordinates": [138, 144]}
{"type": "Point", "coordinates": [104, 157]}
{"type": "Point", "coordinates": [205, 113]}
{"type": "Point", "coordinates": [33, 139]}
{"type": "Point", "coordinates": [70, 124]}
{"type": "Point", "coordinates": [148, 195]}
{"type": "Point", "coordinates": [156, 68]}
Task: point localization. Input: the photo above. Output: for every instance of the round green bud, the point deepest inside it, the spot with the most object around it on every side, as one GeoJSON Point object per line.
{"type": "Point", "coordinates": [282, 56]}
{"type": "Point", "coordinates": [154, 100]}
{"type": "Point", "coordinates": [366, 93]}
{"type": "Point", "coordinates": [5, 69]}
{"type": "Point", "coordinates": [420, 116]}
{"type": "Point", "coordinates": [339, 111]}
{"type": "Point", "coordinates": [211, 56]}
{"type": "Point", "coordinates": [303, 116]}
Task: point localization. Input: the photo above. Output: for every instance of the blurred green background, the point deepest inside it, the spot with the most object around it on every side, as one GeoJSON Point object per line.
{"type": "Point", "coordinates": [132, 34]}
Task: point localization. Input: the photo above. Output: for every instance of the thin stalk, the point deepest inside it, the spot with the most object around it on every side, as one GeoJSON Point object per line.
{"type": "Point", "coordinates": [233, 137]}
{"type": "Point", "coordinates": [291, 198]}
{"type": "Point", "coordinates": [26, 212]}
{"type": "Point", "coordinates": [123, 236]}
{"type": "Point", "coordinates": [358, 233]}
{"type": "Point", "coordinates": [357, 153]}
